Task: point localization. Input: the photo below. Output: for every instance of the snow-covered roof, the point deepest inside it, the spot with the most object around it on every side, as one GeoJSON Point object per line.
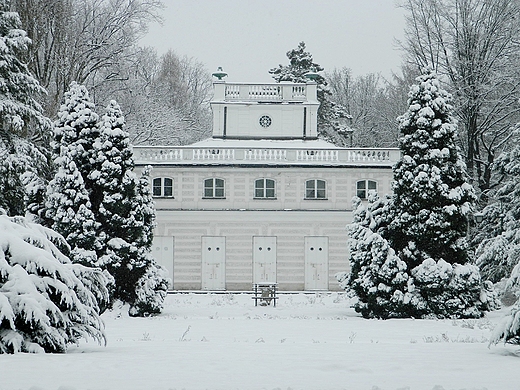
{"type": "Point", "coordinates": [265, 143]}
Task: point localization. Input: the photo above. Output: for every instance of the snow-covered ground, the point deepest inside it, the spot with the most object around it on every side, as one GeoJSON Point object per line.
{"type": "Point", "coordinates": [308, 341]}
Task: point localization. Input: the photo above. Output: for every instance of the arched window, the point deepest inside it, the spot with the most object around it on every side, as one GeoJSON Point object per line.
{"type": "Point", "coordinates": [265, 189]}
{"type": "Point", "coordinates": [162, 186]}
{"type": "Point", "coordinates": [214, 188]}
{"type": "Point", "coordinates": [315, 189]}
{"type": "Point", "coordinates": [363, 187]}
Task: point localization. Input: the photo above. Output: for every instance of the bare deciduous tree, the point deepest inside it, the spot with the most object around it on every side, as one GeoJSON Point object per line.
{"type": "Point", "coordinates": [475, 46]}
{"type": "Point", "coordinates": [374, 104]}
{"type": "Point", "coordinates": [81, 40]}
{"type": "Point", "coordinates": [165, 99]}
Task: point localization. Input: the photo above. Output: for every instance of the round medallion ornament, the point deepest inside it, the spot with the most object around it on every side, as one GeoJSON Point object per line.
{"type": "Point", "coordinates": [265, 121]}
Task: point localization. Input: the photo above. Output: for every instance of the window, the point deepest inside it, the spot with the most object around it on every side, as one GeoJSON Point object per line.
{"type": "Point", "coordinates": [264, 188]}
{"type": "Point", "coordinates": [214, 188]}
{"type": "Point", "coordinates": [363, 188]}
{"type": "Point", "coordinates": [162, 186]}
{"type": "Point", "coordinates": [315, 189]}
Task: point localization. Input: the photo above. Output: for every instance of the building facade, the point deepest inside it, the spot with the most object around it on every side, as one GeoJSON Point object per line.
{"type": "Point", "coordinates": [264, 200]}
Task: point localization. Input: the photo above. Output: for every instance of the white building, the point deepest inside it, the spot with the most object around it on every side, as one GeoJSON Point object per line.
{"type": "Point", "coordinates": [263, 200]}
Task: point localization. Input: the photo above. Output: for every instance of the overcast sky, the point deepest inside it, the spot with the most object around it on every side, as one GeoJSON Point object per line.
{"type": "Point", "coordinates": [248, 37]}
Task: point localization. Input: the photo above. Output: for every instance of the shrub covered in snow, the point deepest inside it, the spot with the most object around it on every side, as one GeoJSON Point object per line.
{"type": "Point", "coordinates": [46, 301]}
{"type": "Point", "coordinates": [449, 290]}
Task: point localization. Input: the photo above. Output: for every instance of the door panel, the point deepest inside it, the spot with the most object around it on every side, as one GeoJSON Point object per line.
{"type": "Point", "coordinates": [264, 259]}
{"type": "Point", "coordinates": [316, 263]}
{"type": "Point", "coordinates": [163, 252]}
{"type": "Point", "coordinates": [213, 263]}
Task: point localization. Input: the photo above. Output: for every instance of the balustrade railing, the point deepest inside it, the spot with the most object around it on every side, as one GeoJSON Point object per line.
{"type": "Point", "coordinates": [368, 155]}
{"type": "Point", "coordinates": [155, 154]}
{"type": "Point", "coordinates": [266, 92]}
{"type": "Point", "coordinates": [266, 154]}
{"type": "Point", "coordinates": [317, 155]}
{"type": "Point", "coordinates": [189, 154]}
{"type": "Point", "coordinates": [213, 154]}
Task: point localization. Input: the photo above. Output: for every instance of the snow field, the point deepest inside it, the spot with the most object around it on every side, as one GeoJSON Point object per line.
{"type": "Point", "coordinates": [309, 341]}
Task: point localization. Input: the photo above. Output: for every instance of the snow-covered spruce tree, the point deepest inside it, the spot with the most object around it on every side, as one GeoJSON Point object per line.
{"type": "Point", "coordinates": [21, 117]}
{"type": "Point", "coordinates": [508, 330]}
{"type": "Point", "coordinates": [508, 240]}
{"type": "Point", "coordinates": [377, 276]}
{"type": "Point", "coordinates": [499, 254]}
{"type": "Point", "coordinates": [68, 207]}
{"type": "Point", "coordinates": [329, 112]}
{"type": "Point", "coordinates": [127, 216]}
{"type": "Point", "coordinates": [46, 301]}
{"type": "Point", "coordinates": [151, 287]}
{"type": "Point", "coordinates": [431, 194]}
{"type": "Point", "coordinates": [429, 207]}
{"type": "Point", "coordinates": [75, 132]}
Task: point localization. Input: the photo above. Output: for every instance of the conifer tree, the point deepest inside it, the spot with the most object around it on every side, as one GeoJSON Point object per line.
{"type": "Point", "coordinates": [432, 197]}
{"type": "Point", "coordinates": [116, 202]}
{"type": "Point", "coordinates": [412, 260]}
{"type": "Point", "coordinates": [46, 301]}
{"type": "Point", "coordinates": [75, 132]}
{"type": "Point", "coordinates": [429, 208]}
{"type": "Point", "coordinates": [377, 276]}
{"type": "Point", "coordinates": [499, 254]}
{"type": "Point", "coordinates": [21, 117]}
{"type": "Point", "coordinates": [127, 216]}
{"type": "Point", "coordinates": [329, 112]}
{"type": "Point", "coordinates": [68, 207]}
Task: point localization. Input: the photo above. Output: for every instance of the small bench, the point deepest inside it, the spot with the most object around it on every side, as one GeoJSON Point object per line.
{"type": "Point", "coordinates": [265, 293]}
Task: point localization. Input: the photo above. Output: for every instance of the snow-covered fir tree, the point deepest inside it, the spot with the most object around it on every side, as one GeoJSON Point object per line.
{"type": "Point", "coordinates": [412, 261]}
{"type": "Point", "coordinates": [20, 158]}
{"type": "Point", "coordinates": [508, 330]}
{"type": "Point", "coordinates": [330, 114]}
{"type": "Point", "coordinates": [127, 216]}
{"type": "Point", "coordinates": [499, 254]}
{"type": "Point", "coordinates": [68, 207]}
{"type": "Point", "coordinates": [75, 132]}
{"type": "Point", "coordinates": [430, 205]}
{"type": "Point", "coordinates": [21, 116]}
{"type": "Point", "coordinates": [113, 204]}
{"type": "Point", "coordinates": [151, 287]}
{"type": "Point", "coordinates": [432, 197]}
{"type": "Point", "coordinates": [377, 276]}
{"type": "Point", "coordinates": [46, 301]}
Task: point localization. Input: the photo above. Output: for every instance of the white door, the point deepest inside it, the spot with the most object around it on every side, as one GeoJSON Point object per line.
{"type": "Point", "coordinates": [316, 263]}
{"type": "Point", "coordinates": [264, 259]}
{"type": "Point", "coordinates": [162, 251]}
{"type": "Point", "coordinates": [213, 263]}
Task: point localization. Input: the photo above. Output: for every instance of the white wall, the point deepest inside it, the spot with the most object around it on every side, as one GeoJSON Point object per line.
{"type": "Point", "coordinates": [239, 227]}
{"type": "Point", "coordinates": [290, 186]}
